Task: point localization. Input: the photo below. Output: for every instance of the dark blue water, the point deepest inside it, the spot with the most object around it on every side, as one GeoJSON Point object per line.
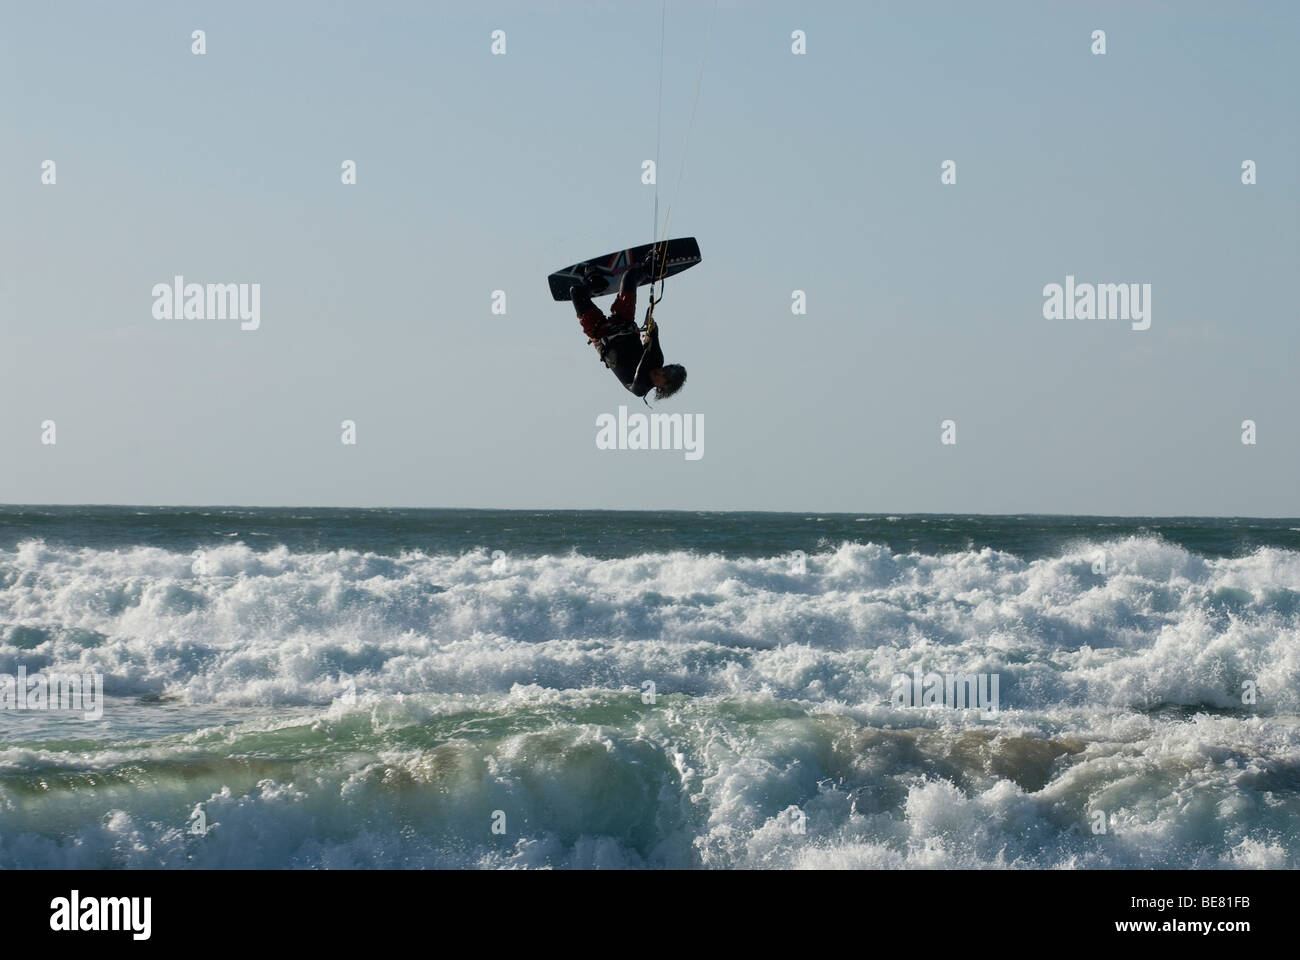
{"type": "Point", "coordinates": [609, 534]}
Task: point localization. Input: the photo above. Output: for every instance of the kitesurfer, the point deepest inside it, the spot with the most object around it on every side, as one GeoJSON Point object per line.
{"type": "Point", "coordinates": [636, 360]}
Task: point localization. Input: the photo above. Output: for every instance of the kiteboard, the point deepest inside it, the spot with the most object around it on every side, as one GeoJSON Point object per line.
{"type": "Point", "coordinates": [676, 256]}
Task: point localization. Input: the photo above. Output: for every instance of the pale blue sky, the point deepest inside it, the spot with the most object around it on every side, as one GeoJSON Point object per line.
{"type": "Point", "coordinates": [816, 172]}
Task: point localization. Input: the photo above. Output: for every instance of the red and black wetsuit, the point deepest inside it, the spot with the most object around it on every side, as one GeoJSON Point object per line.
{"type": "Point", "coordinates": [618, 341]}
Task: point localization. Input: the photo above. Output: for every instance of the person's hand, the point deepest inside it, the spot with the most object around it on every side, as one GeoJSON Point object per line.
{"type": "Point", "coordinates": [649, 324]}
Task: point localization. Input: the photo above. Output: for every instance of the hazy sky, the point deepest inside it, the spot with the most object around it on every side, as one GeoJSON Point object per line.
{"type": "Point", "coordinates": [817, 172]}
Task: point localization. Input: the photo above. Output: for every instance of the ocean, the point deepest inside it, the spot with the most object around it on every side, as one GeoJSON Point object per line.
{"type": "Point", "coordinates": [332, 688]}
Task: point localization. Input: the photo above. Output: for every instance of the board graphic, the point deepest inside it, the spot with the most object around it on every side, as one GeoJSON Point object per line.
{"type": "Point", "coordinates": [680, 254]}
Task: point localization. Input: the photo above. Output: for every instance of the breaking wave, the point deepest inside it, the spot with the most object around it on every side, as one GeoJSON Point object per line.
{"type": "Point", "coordinates": [351, 709]}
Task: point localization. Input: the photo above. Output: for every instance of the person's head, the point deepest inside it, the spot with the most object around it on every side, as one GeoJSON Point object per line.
{"type": "Point", "coordinates": [668, 380]}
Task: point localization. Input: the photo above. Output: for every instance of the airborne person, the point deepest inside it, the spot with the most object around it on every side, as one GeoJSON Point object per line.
{"type": "Point", "coordinates": [636, 360]}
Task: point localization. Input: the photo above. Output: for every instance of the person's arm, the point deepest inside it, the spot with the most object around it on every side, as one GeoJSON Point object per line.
{"type": "Point", "coordinates": [652, 358]}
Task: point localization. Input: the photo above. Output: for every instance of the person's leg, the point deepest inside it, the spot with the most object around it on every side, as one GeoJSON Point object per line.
{"type": "Point", "coordinates": [624, 308]}
{"type": "Point", "coordinates": [589, 315]}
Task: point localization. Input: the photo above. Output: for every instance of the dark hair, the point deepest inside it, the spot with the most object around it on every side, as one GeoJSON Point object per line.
{"type": "Point", "coordinates": [675, 374]}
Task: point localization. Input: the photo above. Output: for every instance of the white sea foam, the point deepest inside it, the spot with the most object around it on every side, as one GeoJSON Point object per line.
{"type": "Point", "coordinates": [1162, 626]}
{"type": "Point", "coordinates": [412, 696]}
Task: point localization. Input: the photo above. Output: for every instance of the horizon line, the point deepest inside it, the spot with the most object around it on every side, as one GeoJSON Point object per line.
{"type": "Point", "coordinates": [693, 510]}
